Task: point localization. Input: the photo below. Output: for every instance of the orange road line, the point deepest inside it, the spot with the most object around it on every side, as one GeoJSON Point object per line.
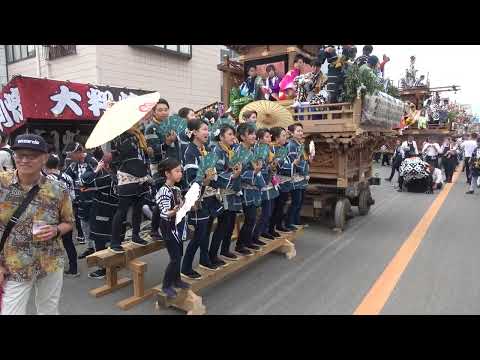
{"type": "Point", "coordinates": [379, 293]}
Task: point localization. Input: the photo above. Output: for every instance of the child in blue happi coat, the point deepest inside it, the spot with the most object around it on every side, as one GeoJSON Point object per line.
{"type": "Point", "coordinates": [229, 183]}
{"type": "Point", "coordinates": [208, 204]}
{"type": "Point", "coordinates": [284, 170]}
{"type": "Point", "coordinates": [300, 174]}
{"type": "Point", "coordinates": [252, 182]}
{"type": "Point", "coordinates": [169, 201]}
{"type": "Point", "coordinates": [269, 192]}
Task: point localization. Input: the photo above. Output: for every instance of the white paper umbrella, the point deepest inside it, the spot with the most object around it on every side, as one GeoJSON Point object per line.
{"type": "Point", "coordinates": [121, 117]}
{"type": "Point", "coordinates": [269, 114]}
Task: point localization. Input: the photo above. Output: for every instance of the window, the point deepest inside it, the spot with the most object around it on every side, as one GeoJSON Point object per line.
{"type": "Point", "coordinates": [185, 49]}
{"type": "Point", "coordinates": [181, 50]}
{"type": "Point", "coordinates": [52, 52]}
{"type": "Point", "coordinates": [8, 50]}
{"type": "Point", "coordinates": [19, 52]}
{"type": "Point", "coordinates": [16, 52]}
{"type": "Point", "coordinates": [31, 50]}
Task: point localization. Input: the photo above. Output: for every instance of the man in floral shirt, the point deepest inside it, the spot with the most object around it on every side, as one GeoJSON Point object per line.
{"type": "Point", "coordinates": [29, 261]}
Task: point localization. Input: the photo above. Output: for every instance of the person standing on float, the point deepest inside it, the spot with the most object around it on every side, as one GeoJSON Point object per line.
{"type": "Point", "coordinates": [129, 156]}
{"type": "Point", "coordinates": [207, 206]}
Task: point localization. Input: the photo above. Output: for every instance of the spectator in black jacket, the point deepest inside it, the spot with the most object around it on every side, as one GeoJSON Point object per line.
{"type": "Point", "coordinates": [396, 160]}
{"type": "Point", "coordinates": [81, 163]}
{"type": "Point", "coordinates": [366, 52]}
{"type": "Point", "coordinates": [52, 169]}
{"type": "Point", "coordinates": [337, 66]}
{"type": "Point", "coordinates": [105, 203]}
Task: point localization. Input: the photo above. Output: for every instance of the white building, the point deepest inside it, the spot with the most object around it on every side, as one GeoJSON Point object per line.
{"type": "Point", "coordinates": [3, 67]}
{"type": "Point", "coordinates": [185, 75]}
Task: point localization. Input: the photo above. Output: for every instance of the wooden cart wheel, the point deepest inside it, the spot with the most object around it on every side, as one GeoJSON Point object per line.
{"type": "Point", "coordinates": [364, 202]}
{"type": "Point", "coordinates": [342, 207]}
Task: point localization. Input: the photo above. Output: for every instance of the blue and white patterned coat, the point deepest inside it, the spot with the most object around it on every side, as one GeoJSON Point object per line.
{"type": "Point", "coordinates": [210, 206]}
{"type": "Point", "coordinates": [269, 192]}
{"type": "Point", "coordinates": [251, 185]}
{"type": "Point", "coordinates": [229, 187]}
{"type": "Point", "coordinates": [300, 171]}
{"type": "Point", "coordinates": [284, 171]}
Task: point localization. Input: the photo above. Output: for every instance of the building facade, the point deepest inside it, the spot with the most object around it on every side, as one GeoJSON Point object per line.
{"type": "Point", "coordinates": [186, 75]}
{"type": "Point", "coordinates": [3, 67]}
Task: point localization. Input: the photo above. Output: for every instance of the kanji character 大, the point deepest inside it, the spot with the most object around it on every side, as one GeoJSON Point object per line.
{"type": "Point", "coordinates": [65, 98]}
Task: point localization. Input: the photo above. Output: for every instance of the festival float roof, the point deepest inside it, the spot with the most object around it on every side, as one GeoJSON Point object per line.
{"type": "Point", "coordinates": [245, 49]}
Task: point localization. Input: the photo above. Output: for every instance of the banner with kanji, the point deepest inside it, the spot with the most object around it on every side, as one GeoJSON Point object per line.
{"type": "Point", "coordinates": [26, 98]}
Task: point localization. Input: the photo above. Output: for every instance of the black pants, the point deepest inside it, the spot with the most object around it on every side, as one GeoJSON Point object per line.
{"type": "Point", "coordinates": [417, 185]}
{"type": "Point", "coordinates": [385, 159]}
{"type": "Point", "coordinates": [245, 237]}
{"type": "Point", "coordinates": [395, 167]}
{"type": "Point", "coordinates": [155, 219]}
{"type": "Point", "coordinates": [67, 241]}
{"type": "Point", "coordinates": [449, 166]}
{"type": "Point", "coordinates": [175, 251]}
{"type": "Point", "coordinates": [101, 242]}
{"type": "Point", "coordinates": [78, 223]}
{"type": "Point", "coordinates": [432, 161]}
{"type": "Point", "coordinates": [263, 222]}
{"type": "Point", "coordinates": [121, 214]}
{"type": "Point", "coordinates": [200, 240]}
{"type": "Point", "coordinates": [278, 214]}
{"type": "Point", "coordinates": [467, 168]}
{"type": "Point", "coordinates": [293, 213]}
{"type": "Point", "coordinates": [223, 234]}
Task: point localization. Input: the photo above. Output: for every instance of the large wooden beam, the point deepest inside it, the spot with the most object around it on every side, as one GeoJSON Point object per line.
{"type": "Point", "coordinates": [138, 269]}
{"type": "Point", "coordinates": [114, 262]}
{"type": "Point", "coordinates": [191, 303]}
{"type": "Point", "coordinates": [106, 258]}
{"type": "Point", "coordinates": [112, 283]}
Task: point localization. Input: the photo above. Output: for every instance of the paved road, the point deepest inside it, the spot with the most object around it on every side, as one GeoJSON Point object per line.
{"type": "Point", "coordinates": [332, 272]}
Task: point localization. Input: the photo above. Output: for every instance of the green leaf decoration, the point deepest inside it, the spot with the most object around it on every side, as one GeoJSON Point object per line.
{"type": "Point", "coordinates": [238, 104]}
{"type": "Point", "coordinates": [178, 124]}
{"type": "Point", "coordinates": [181, 126]}
{"type": "Point", "coordinates": [163, 129]}
{"type": "Point", "coordinates": [206, 163]}
{"type": "Point", "coordinates": [261, 152]}
{"type": "Point", "coordinates": [241, 156]}
{"type": "Point", "coordinates": [252, 125]}
{"type": "Point", "coordinates": [172, 123]}
{"type": "Point", "coordinates": [301, 151]}
{"type": "Point", "coordinates": [280, 153]}
{"type": "Point", "coordinates": [219, 123]}
{"type": "Point", "coordinates": [355, 78]}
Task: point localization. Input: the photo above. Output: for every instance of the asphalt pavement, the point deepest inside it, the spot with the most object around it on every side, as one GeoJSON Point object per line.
{"type": "Point", "coordinates": [333, 272]}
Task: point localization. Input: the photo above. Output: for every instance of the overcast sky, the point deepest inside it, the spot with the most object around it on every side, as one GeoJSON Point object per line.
{"type": "Point", "coordinates": [445, 64]}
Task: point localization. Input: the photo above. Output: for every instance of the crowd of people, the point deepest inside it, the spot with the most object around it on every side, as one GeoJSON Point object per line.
{"type": "Point", "coordinates": [309, 88]}
{"type": "Point", "coordinates": [421, 171]}
{"type": "Point", "coordinates": [145, 173]}
{"type": "Point", "coordinates": [141, 175]}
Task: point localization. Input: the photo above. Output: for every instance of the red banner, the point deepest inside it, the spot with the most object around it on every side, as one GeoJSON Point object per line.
{"type": "Point", "coordinates": [26, 98]}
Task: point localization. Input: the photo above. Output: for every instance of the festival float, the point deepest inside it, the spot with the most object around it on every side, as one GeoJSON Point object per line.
{"type": "Point", "coordinates": [428, 115]}
{"type": "Point", "coordinates": [343, 134]}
